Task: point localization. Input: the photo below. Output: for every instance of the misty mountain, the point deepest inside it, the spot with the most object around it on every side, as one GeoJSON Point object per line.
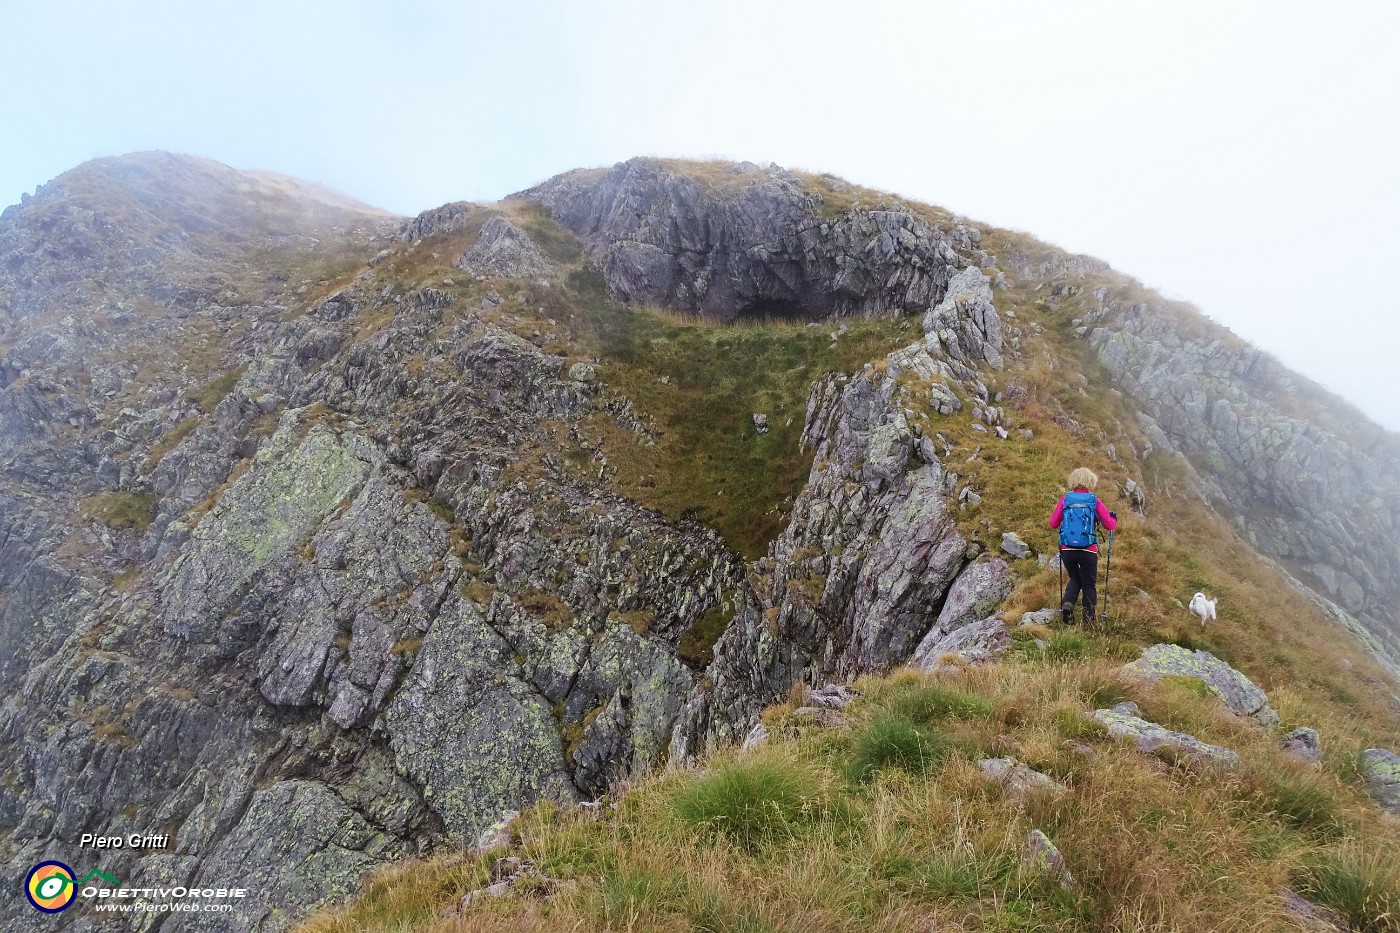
{"type": "Point", "coordinates": [328, 536]}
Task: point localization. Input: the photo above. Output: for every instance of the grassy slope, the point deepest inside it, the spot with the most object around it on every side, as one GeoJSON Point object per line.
{"type": "Point", "coordinates": [889, 826]}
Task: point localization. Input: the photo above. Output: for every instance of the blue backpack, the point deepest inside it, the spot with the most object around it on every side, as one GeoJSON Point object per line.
{"type": "Point", "coordinates": [1077, 521]}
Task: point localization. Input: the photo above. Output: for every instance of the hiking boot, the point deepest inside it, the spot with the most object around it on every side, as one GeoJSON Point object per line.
{"type": "Point", "coordinates": [1067, 613]}
{"type": "Point", "coordinates": [1090, 616]}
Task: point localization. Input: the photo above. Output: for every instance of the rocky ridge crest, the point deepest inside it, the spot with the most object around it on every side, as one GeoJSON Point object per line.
{"type": "Point", "coordinates": [351, 600]}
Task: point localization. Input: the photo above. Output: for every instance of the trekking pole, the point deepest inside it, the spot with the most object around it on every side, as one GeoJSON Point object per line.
{"type": "Point", "coordinates": [1107, 575]}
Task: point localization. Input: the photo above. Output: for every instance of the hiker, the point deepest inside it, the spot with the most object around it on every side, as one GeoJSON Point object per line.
{"type": "Point", "coordinates": [1075, 515]}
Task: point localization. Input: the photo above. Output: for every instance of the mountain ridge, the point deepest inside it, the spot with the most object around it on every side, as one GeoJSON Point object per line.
{"type": "Point", "coordinates": [336, 493]}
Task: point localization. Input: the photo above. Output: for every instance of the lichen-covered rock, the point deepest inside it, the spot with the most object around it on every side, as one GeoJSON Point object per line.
{"type": "Point", "coordinates": [1019, 780]}
{"type": "Point", "coordinates": [291, 832]}
{"type": "Point", "coordinates": [1237, 691]}
{"type": "Point", "coordinates": [1150, 737]}
{"type": "Point", "coordinates": [1382, 769]}
{"type": "Point", "coordinates": [1040, 854]}
{"type": "Point", "coordinates": [267, 514]}
{"type": "Point", "coordinates": [497, 835]}
{"type": "Point", "coordinates": [478, 740]}
{"type": "Point", "coordinates": [1303, 744]}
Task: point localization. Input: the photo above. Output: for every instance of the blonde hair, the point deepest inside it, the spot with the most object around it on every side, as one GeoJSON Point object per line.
{"type": "Point", "coordinates": [1083, 477]}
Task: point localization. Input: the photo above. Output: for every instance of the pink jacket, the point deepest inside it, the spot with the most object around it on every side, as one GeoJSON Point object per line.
{"type": "Point", "coordinates": [1105, 519]}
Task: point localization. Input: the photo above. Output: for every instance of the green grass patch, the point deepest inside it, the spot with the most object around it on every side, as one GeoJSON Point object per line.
{"type": "Point", "coordinates": [697, 642]}
{"type": "Point", "coordinates": [123, 511]}
{"type": "Point", "coordinates": [752, 803]}
{"type": "Point", "coordinates": [209, 395]}
{"type": "Point", "coordinates": [892, 740]}
{"type": "Point", "coordinates": [1302, 799]}
{"type": "Point", "coordinates": [933, 703]}
{"type": "Point", "coordinates": [1364, 887]}
{"type": "Point", "coordinates": [701, 383]}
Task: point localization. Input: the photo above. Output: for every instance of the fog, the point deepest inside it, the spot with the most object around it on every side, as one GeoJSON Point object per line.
{"type": "Point", "coordinates": [1239, 156]}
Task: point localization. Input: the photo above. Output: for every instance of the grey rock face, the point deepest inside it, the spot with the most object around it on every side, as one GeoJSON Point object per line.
{"type": "Point", "coordinates": [760, 247]}
{"type": "Point", "coordinates": [1261, 436]}
{"type": "Point", "coordinates": [973, 642]}
{"type": "Point", "coordinates": [1237, 691]}
{"type": "Point", "coordinates": [1382, 769]}
{"type": "Point", "coordinates": [290, 832]}
{"type": "Point", "coordinates": [966, 324]}
{"type": "Point", "coordinates": [338, 617]}
{"type": "Point", "coordinates": [503, 249]}
{"type": "Point", "coordinates": [1150, 737]}
{"type": "Point", "coordinates": [475, 744]}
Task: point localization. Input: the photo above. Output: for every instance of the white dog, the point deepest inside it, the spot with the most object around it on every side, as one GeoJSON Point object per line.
{"type": "Point", "coordinates": [1202, 608]}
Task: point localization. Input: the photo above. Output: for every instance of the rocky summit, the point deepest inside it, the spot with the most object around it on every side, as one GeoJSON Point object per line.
{"type": "Point", "coordinates": [328, 537]}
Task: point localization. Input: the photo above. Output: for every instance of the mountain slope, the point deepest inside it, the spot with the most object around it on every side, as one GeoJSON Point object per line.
{"type": "Point", "coordinates": [327, 537]}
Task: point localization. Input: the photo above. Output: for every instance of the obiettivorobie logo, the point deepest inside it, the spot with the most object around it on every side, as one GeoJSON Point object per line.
{"type": "Point", "coordinates": [50, 886]}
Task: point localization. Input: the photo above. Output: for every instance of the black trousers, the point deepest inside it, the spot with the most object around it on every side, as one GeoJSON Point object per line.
{"type": "Point", "coordinates": [1082, 568]}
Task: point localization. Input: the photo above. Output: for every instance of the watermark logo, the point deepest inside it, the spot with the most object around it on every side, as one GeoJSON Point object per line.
{"type": "Point", "coordinates": [50, 887]}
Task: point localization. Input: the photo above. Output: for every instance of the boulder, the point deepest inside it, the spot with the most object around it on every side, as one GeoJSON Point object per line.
{"type": "Point", "coordinates": [1303, 744]}
{"type": "Point", "coordinates": [975, 594]}
{"type": "Point", "coordinates": [1149, 737]}
{"type": "Point", "coordinates": [757, 736]}
{"type": "Point", "coordinates": [1012, 544]}
{"type": "Point", "coordinates": [1237, 691]}
{"type": "Point", "coordinates": [1040, 854]}
{"type": "Point", "coordinates": [976, 643]}
{"type": "Point", "coordinates": [832, 696]}
{"type": "Point", "coordinates": [497, 835]}
{"type": "Point", "coordinates": [1382, 769]}
{"type": "Point", "coordinates": [1019, 780]}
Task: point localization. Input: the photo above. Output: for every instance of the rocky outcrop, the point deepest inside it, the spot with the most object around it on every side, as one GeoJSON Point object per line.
{"type": "Point", "coordinates": [1312, 482]}
{"type": "Point", "coordinates": [503, 249]}
{"type": "Point", "coordinates": [295, 566]}
{"type": "Point", "coordinates": [751, 243]}
{"type": "Point", "coordinates": [1237, 691]}
{"type": "Point", "coordinates": [871, 563]}
{"type": "Point", "coordinates": [972, 643]}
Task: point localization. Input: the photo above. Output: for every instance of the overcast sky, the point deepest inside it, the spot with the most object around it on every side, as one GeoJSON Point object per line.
{"type": "Point", "coordinates": [1239, 155]}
